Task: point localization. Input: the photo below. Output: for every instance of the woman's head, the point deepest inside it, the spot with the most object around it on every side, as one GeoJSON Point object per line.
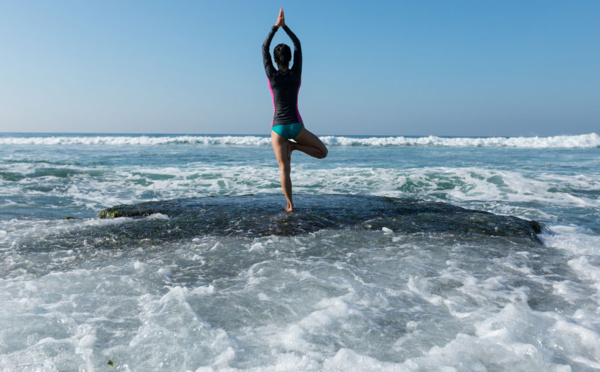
{"type": "Point", "coordinates": [283, 55]}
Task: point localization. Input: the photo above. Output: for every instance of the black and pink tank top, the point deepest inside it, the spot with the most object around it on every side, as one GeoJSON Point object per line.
{"type": "Point", "coordinates": [284, 85]}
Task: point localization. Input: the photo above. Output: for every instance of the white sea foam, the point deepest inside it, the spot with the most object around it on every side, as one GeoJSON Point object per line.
{"type": "Point", "coordinates": [411, 306]}
{"type": "Point", "coordinates": [518, 339]}
{"type": "Point", "coordinates": [574, 141]}
{"type": "Point", "coordinates": [574, 240]}
{"type": "Point", "coordinates": [591, 140]}
{"type": "Point", "coordinates": [137, 140]}
{"type": "Point", "coordinates": [498, 191]}
{"type": "Point", "coordinates": [330, 300]}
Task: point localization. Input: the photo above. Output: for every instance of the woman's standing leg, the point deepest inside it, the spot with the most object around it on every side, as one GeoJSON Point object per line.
{"type": "Point", "coordinates": [283, 152]}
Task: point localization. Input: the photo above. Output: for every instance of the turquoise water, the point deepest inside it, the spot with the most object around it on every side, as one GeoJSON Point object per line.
{"type": "Point", "coordinates": [335, 299]}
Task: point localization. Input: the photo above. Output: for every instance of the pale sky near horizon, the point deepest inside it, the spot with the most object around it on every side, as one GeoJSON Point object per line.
{"type": "Point", "coordinates": [446, 68]}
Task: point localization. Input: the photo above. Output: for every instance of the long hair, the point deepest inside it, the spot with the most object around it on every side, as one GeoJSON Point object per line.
{"type": "Point", "coordinates": [282, 54]}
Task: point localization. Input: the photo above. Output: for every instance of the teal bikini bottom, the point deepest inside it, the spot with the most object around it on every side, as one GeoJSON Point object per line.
{"type": "Point", "coordinates": [288, 131]}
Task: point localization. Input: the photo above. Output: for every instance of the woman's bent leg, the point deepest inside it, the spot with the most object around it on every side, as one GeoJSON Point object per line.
{"type": "Point", "coordinates": [283, 152]}
{"type": "Point", "coordinates": [310, 144]}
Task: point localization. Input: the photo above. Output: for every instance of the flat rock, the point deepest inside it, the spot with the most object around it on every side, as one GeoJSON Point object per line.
{"type": "Point", "coordinates": [262, 215]}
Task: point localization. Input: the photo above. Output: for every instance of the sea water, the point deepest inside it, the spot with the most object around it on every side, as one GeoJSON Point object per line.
{"type": "Point", "coordinates": [336, 299]}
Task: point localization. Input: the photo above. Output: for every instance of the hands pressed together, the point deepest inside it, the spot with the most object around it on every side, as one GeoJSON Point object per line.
{"type": "Point", "coordinates": [280, 19]}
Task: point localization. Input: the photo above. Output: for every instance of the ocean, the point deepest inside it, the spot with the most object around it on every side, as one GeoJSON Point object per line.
{"type": "Point", "coordinates": [245, 290]}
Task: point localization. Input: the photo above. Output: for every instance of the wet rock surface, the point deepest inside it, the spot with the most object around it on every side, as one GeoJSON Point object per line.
{"type": "Point", "coordinates": [262, 215]}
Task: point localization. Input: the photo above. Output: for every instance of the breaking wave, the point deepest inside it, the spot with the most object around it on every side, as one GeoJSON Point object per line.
{"type": "Point", "coordinates": [591, 140]}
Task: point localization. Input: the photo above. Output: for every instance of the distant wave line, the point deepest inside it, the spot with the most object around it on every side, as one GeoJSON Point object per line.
{"type": "Point", "coordinates": [591, 140]}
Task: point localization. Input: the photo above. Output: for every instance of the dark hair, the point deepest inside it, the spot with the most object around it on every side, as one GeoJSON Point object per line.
{"type": "Point", "coordinates": [282, 54]}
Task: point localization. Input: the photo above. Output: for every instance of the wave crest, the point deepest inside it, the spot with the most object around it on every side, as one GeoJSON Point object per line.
{"type": "Point", "coordinates": [591, 140]}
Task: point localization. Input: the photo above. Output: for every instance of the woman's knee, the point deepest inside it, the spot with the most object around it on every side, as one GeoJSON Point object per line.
{"type": "Point", "coordinates": [285, 167]}
{"type": "Point", "coordinates": [323, 152]}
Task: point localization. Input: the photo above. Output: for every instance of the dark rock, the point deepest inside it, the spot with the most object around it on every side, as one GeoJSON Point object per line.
{"type": "Point", "coordinates": [262, 215]}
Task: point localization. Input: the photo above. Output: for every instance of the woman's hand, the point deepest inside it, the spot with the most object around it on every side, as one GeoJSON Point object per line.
{"type": "Point", "coordinates": [280, 19]}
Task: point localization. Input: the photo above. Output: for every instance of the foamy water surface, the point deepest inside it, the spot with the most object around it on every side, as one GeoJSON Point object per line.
{"type": "Point", "coordinates": [336, 299]}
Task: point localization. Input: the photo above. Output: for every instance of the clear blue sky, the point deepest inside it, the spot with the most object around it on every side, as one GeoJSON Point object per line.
{"type": "Point", "coordinates": [462, 68]}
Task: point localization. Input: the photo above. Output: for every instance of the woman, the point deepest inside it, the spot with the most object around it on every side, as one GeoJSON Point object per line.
{"type": "Point", "coordinates": [287, 124]}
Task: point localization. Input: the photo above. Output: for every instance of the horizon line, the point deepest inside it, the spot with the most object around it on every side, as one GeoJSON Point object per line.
{"type": "Point", "coordinates": [2, 133]}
